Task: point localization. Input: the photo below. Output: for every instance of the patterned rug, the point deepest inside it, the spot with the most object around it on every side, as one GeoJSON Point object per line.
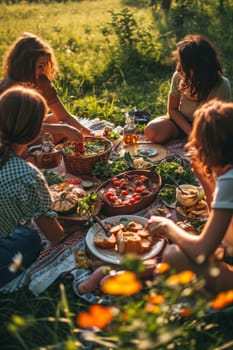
{"type": "Point", "coordinates": [55, 261]}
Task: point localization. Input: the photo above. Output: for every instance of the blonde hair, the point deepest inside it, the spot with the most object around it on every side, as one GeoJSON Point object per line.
{"type": "Point", "coordinates": [19, 62]}
{"type": "Point", "coordinates": [22, 112]}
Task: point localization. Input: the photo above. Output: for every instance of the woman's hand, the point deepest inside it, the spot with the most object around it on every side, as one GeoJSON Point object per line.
{"type": "Point", "coordinates": [207, 180]}
{"type": "Point", "coordinates": [72, 133]}
{"type": "Point", "coordinates": [158, 226]}
{"type": "Point", "coordinates": [197, 168]}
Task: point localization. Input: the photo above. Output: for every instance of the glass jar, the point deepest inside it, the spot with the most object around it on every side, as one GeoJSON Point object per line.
{"type": "Point", "coordinates": [130, 130]}
{"type": "Point", "coordinates": [47, 144]}
{"type": "Point", "coordinates": [46, 156]}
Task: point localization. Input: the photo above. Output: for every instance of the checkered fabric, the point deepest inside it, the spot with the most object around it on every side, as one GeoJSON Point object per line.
{"type": "Point", "coordinates": [24, 195]}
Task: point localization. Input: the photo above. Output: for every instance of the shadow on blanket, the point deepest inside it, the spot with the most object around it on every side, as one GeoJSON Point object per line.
{"type": "Point", "coordinates": [51, 263]}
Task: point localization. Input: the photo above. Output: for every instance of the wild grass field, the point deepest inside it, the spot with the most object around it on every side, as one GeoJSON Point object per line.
{"type": "Point", "coordinates": [114, 55]}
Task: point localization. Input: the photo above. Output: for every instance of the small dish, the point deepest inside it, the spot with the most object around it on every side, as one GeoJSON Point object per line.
{"type": "Point", "coordinates": [187, 195]}
{"type": "Point", "coordinates": [198, 212]}
{"type": "Point", "coordinates": [147, 151]}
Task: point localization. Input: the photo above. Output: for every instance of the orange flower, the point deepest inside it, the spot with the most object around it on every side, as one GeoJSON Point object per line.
{"type": "Point", "coordinates": [155, 299]}
{"type": "Point", "coordinates": [186, 277]}
{"type": "Point", "coordinates": [186, 312]}
{"type": "Point", "coordinates": [152, 308]}
{"type": "Point", "coordinates": [222, 300]}
{"type": "Point", "coordinates": [123, 283]}
{"type": "Point", "coordinates": [183, 277]}
{"type": "Point", "coordinates": [162, 267]}
{"type": "Point", "coordinates": [98, 316]}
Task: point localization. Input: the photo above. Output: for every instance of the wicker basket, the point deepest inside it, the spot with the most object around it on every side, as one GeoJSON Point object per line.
{"type": "Point", "coordinates": [83, 165]}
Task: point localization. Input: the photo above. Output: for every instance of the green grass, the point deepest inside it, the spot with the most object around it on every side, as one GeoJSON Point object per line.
{"type": "Point", "coordinates": [101, 75]}
{"type": "Point", "coordinates": [96, 79]}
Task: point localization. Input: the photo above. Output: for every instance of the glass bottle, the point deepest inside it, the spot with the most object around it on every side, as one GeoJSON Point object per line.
{"type": "Point", "coordinates": [129, 131]}
{"type": "Point", "coordinates": [50, 156]}
{"type": "Point", "coordinates": [47, 144]}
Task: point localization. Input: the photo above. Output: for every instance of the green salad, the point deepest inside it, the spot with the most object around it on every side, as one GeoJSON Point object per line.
{"type": "Point", "coordinates": [168, 194]}
{"type": "Point", "coordinates": [175, 172]}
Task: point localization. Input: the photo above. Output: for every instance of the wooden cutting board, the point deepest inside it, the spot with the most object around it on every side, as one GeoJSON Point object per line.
{"type": "Point", "coordinates": [161, 151]}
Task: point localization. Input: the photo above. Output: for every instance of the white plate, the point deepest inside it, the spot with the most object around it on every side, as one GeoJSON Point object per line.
{"type": "Point", "coordinates": [111, 256]}
{"type": "Point", "coordinates": [145, 151]}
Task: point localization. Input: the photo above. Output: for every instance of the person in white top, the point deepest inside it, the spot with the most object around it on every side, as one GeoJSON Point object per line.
{"type": "Point", "coordinates": [210, 145]}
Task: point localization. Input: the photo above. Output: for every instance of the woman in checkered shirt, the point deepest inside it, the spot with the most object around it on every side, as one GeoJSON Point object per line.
{"type": "Point", "coordinates": [24, 193]}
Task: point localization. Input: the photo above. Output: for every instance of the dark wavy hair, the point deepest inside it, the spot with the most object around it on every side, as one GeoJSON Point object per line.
{"type": "Point", "coordinates": [19, 62]}
{"type": "Point", "coordinates": [198, 64]}
{"type": "Point", "coordinates": [22, 112]}
{"type": "Point", "coordinates": [211, 137]}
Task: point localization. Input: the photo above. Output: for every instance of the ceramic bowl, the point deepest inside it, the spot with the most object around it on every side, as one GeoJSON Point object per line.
{"type": "Point", "coordinates": [187, 195]}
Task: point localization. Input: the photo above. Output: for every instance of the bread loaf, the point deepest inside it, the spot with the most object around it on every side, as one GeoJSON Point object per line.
{"type": "Point", "coordinates": [101, 241]}
{"type": "Point", "coordinates": [129, 242]}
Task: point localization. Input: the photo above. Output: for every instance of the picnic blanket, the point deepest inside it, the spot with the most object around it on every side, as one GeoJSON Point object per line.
{"type": "Point", "coordinates": [55, 261]}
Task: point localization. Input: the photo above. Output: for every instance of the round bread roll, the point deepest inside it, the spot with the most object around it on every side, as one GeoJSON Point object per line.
{"type": "Point", "coordinates": [135, 226]}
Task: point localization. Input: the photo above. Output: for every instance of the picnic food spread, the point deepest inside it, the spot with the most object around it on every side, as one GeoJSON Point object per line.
{"type": "Point", "coordinates": [129, 192]}
{"type": "Point", "coordinates": [126, 238]}
{"type": "Point", "coordinates": [80, 158]}
{"type": "Point", "coordinates": [134, 189]}
{"type": "Point", "coordinates": [90, 148]}
{"type": "Point", "coordinates": [197, 211]}
{"type": "Point", "coordinates": [65, 197]}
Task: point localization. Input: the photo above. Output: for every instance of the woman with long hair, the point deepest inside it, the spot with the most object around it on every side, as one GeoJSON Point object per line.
{"type": "Point", "coordinates": [31, 62]}
{"type": "Point", "coordinates": [197, 79]}
{"type": "Point", "coordinates": [24, 194]}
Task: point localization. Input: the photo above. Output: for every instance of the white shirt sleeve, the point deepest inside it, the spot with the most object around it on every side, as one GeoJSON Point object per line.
{"type": "Point", "coordinates": [223, 196]}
